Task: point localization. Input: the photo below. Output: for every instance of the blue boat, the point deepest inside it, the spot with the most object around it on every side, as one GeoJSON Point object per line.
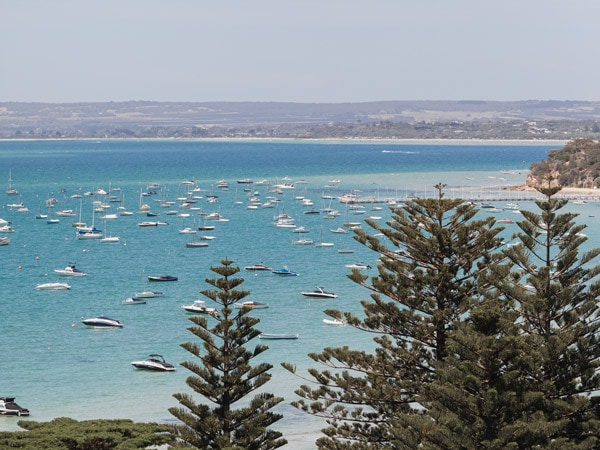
{"type": "Point", "coordinates": [285, 272]}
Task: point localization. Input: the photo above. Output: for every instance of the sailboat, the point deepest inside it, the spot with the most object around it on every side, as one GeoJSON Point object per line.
{"type": "Point", "coordinates": [51, 220]}
{"type": "Point", "coordinates": [195, 244]}
{"type": "Point", "coordinates": [91, 232]}
{"type": "Point", "coordinates": [145, 293]}
{"type": "Point", "coordinates": [9, 188]}
{"type": "Point", "coordinates": [321, 243]}
{"type": "Point", "coordinates": [108, 239]}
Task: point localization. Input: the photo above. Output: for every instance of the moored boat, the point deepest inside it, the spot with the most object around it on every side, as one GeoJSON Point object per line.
{"type": "Point", "coordinates": [8, 407]}
{"type": "Point", "coordinates": [70, 271]}
{"type": "Point", "coordinates": [251, 304]}
{"type": "Point", "coordinates": [319, 292]}
{"type": "Point", "coordinates": [279, 336]}
{"type": "Point", "coordinates": [199, 307]}
{"type": "Point", "coordinates": [134, 301]}
{"type": "Point", "coordinates": [258, 266]}
{"type": "Point", "coordinates": [155, 362]}
{"type": "Point", "coordinates": [102, 322]}
{"type": "Point", "coordinates": [162, 278]}
{"type": "Point", "coordinates": [53, 286]}
{"type": "Point", "coordinates": [285, 272]}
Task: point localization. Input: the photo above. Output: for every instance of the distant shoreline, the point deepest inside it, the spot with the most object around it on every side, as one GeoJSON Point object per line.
{"type": "Point", "coordinates": [345, 140]}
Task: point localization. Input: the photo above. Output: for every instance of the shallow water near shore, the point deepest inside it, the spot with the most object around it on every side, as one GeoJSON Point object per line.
{"type": "Point", "coordinates": [55, 366]}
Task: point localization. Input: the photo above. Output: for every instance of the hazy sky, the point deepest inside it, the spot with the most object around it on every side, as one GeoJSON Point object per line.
{"type": "Point", "coordinates": [299, 51]}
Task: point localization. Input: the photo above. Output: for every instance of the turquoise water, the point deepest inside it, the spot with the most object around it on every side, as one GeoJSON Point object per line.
{"type": "Point", "coordinates": [55, 366]}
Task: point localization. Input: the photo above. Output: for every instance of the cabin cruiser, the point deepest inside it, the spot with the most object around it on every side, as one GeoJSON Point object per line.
{"type": "Point", "coordinates": [319, 292]}
{"type": "Point", "coordinates": [53, 286]}
{"type": "Point", "coordinates": [199, 307]}
{"type": "Point", "coordinates": [8, 407]}
{"type": "Point", "coordinates": [155, 362]}
{"type": "Point", "coordinates": [102, 322]}
{"type": "Point", "coordinates": [259, 266]}
{"type": "Point", "coordinates": [70, 271]}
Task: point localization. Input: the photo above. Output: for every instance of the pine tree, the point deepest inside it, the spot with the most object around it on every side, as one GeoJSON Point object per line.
{"type": "Point", "coordinates": [224, 377]}
{"type": "Point", "coordinates": [425, 287]}
{"type": "Point", "coordinates": [555, 292]}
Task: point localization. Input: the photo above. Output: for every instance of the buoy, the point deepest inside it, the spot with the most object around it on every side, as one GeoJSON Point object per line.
{"type": "Point", "coordinates": [20, 267]}
{"type": "Point", "coordinates": [37, 258]}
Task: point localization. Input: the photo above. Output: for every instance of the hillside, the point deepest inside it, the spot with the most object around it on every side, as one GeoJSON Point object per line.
{"type": "Point", "coordinates": [575, 165]}
{"type": "Point", "coordinates": [562, 120]}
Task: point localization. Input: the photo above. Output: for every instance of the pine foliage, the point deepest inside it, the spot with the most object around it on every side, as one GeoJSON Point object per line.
{"type": "Point", "coordinates": [224, 377]}
{"type": "Point", "coordinates": [425, 287]}
{"type": "Point", "coordinates": [554, 289]}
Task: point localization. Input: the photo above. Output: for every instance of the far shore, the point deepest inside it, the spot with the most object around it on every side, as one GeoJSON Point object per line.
{"type": "Point", "coordinates": [347, 139]}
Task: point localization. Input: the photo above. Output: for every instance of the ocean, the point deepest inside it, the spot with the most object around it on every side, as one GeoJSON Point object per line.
{"type": "Point", "coordinates": [56, 366]}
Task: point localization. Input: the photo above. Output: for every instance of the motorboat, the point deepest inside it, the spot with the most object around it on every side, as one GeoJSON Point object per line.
{"type": "Point", "coordinates": [134, 301]}
{"type": "Point", "coordinates": [285, 272]}
{"type": "Point", "coordinates": [359, 266]}
{"type": "Point", "coordinates": [148, 294]}
{"type": "Point", "coordinates": [162, 278]}
{"type": "Point", "coordinates": [278, 336]}
{"type": "Point", "coordinates": [148, 224]}
{"type": "Point", "coordinates": [53, 286]}
{"type": "Point", "coordinates": [4, 241]}
{"type": "Point", "coordinates": [199, 307]}
{"type": "Point", "coordinates": [334, 322]}
{"type": "Point", "coordinates": [102, 322]}
{"type": "Point", "coordinates": [303, 242]}
{"type": "Point", "coordinates": [319, 292]}
{"type": "Point", "coordinates": [70, 271]}
{"type": "Point", "coordinates": [251, 304]}
{"type": "Point", "coordinates": [8, 407]}
{"type": "Point", "coordinates": [155, 362]}
{"type": "Point", "coordinates": [259, 266]}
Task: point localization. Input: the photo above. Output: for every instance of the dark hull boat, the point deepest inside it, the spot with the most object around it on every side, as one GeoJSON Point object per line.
{"type": "Point", "coordinates": [162, 278]}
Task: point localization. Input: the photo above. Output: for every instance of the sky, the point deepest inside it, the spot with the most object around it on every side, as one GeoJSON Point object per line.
{"type": "Point", "coordinates": [307, 51]}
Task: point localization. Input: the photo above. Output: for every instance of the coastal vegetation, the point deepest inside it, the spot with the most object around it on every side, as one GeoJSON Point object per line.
{"type": "Point", "coordinates": [577, 164]}
{"type": "Point", "coordinates": [224, 377]}
{"type": "Point", "coordinates": [69, 434]}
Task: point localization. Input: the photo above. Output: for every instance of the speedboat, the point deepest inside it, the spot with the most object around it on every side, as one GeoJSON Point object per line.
{"type": "Point", "coordinates": [102, 322]}
{"type": "Point", "coordinates": [199, 307]}
{"type": "Point", "coordinates": [285, 272]}
{"type": "Point", "coordinates": [70, 271]}
{"type": "Point", "coordinates": [359, 266]}
{"type": "Point", "coordinates": [134, 301]}
{"type": "Point", "coordinates": [155, 362]}
{"type": "Point", "coordinates": [259, 266]}
{"type": "Point", "coordinates": [8, 407]}
{"type": "Point", "coordinates": [278, 336]}
{"type": "Point", "coordinates": [53, 286]}
{"type": "Point", "coordinates": [319, 293]}
{"type": "Point", "coordinates": [161, 278]}
{"type": "Point", "coordinates": [251, 304]}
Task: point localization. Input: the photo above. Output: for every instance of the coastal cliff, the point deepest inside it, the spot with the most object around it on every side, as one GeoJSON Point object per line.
{"type": "Point", "coordinates": [576, 165]}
